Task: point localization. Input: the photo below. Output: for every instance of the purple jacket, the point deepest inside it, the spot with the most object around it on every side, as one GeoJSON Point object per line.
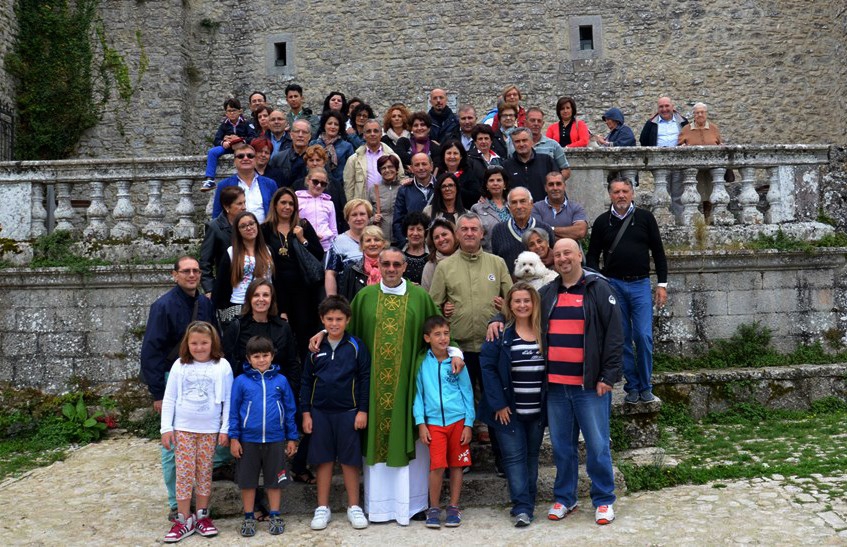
{"type": "Point", "coordinates": [320, 212]}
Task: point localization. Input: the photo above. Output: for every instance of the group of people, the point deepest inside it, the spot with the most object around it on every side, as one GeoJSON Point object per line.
{"type": "Point", "coordinates": [408, 262]}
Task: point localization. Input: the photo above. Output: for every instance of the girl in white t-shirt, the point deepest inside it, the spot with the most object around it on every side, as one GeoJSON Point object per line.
{"type": "Point", "coordinates": [195, 411]}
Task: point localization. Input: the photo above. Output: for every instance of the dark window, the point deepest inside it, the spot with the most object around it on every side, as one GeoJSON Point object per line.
{"type": "Point", "coordinates": [586, 37]}
{"type": "Point", "coordinates": [281, 51]}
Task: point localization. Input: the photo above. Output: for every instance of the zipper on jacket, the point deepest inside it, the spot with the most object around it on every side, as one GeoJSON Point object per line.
{"type": "Point", "coordinates": [441, 396]}
{"type": "Point", "coordinates": [247, 415]}
{"type": "Point", "coordinates": [281, 415]}
{"type": "Point", "coordinates": [264, 406]}
{"type": "Point", "coordinates": [353, 393]}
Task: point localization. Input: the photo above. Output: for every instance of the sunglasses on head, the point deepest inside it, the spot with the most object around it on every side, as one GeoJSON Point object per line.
{"type": "Point", "coordinates": [245, 155]}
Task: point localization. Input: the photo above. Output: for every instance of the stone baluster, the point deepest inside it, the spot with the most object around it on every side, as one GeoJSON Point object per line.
{"type": "Point", "coordinates": [64, 213]}
{"type": "Point", "coordinates": [690, 199]}
{"type": "Point", "coordinates": [781, 204]}
{"type": "Point", "coordinates": [124, 213]}
{"type": "Point", "coordinates": [185, 227]}
{"type": "Point", "coordinates": [97, 213]}
{"type": "Point", "coordinates": [38, 224]}
{"type": "Point", "coordinates": [720, 199]}
{"type": "Point", "coordinates": [748, 198]}
{"type": "Point", "coordinates": [661, 198]}
{"type": "Point", "coordinates": [154, 212]}
{"type": "Point", "coordinates": [630, 174]}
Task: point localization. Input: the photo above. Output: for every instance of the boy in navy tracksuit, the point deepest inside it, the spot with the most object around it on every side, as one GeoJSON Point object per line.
{"type": "Point", "coordinates": [261, 420]}
{"type": "Point", "coordinates": [444, 413]}
{"type": "Point", "coordinates": [334, 402]}
{"type": "Point", "coordinates": [233, 126]}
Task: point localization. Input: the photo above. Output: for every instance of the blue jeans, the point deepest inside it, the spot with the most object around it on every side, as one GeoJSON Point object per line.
{"type": "Point", "coordinates": [569, 410]}
{"type": "Point", "coordinates": [635, 299]}
{"type": "Point", "coordinates": [212, 160]}
{"type": "Point", "coordinates": [520, 443]}
{"type": "Point", "coordinates": [222, 456]}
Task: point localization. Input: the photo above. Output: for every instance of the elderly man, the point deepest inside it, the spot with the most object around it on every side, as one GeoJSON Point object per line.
{"type": "Point", "coordinates": [445, 124]}
{"type": "Point", "coordinates": [581, 330]}
{"type": "Point", "coordinates": [470, 286]}
{"type": "Point", "coordinates": [626, 237]}
{"type": "Point", "coordinates": [258, 190]}
{"type": "Point", "coordinates": [467, 122]}
{"type": "Point", "coordinates": [507, 237]}
{"type": "Point", "coordinates": [662, 130]}
{"type": "Point", "coordinates": [289, 166]}
{"type": "Point", "coordinates": [360, 172]}
{"type": "Point", "coordinates": [280, 139]}
{"type": "Point", "coordinates": [413, 196]}
{"type": "Point", "coordinates": [169, 316]}
{"type": "Point", "coordinates": [566, 217]}
{"type": "Point", "coordinates": [545, 145]}
{"type": "Point", "coordinates": [526, 167]}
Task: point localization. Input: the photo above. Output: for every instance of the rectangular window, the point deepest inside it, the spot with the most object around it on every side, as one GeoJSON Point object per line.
{"type": "Point", "coordinates": [586, 37]}
{"type": "Point", "coordinates": [281, 56]}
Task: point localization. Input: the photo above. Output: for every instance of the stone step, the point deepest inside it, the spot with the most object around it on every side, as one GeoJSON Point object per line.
{"type": "Point", "coordinates": [478, 489]}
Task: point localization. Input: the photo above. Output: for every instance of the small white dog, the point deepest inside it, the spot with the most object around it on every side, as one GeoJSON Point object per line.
{"type": "Point", "coordinates": [529, 268]}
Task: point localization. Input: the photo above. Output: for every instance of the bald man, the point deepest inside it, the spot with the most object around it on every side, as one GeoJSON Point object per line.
{"type": "Point", "coordinates": [414, 196]}
{"type": "Point", "coordinates": [445, 124]}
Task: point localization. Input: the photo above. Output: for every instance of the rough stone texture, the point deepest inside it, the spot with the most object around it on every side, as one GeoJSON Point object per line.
{"type": "Point", "coordinates": [8, 29]}
{"type": "Point", "coordinates": [790, 388]}
{"type": "Point", "coordinates": [39, 509]}
{"type": "Point", "coordinates": [201, 51]}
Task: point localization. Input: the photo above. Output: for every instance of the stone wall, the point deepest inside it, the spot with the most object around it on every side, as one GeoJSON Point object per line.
{"type": "Point", "coordinates": [755, 63]}
{"type": "Point", "coordinates": [58, 325]}
{"type": "Point", "coordinates": [8, 28]}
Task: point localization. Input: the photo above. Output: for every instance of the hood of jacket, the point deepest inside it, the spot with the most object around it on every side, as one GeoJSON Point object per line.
{"type": "Point", "coordinates": [614, 114]}
{"type": "Point", "coordinates": [304, 194]}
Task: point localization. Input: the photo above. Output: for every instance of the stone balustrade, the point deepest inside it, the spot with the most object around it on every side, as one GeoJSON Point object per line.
{"type": "Point", "coordinates": [119, 199]}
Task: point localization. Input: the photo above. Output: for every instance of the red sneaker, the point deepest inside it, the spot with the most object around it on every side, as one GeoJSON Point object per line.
{"type": "Point", "coordinates": [182, 528]}
{"type": "Point", "coordinates": [205, 527]}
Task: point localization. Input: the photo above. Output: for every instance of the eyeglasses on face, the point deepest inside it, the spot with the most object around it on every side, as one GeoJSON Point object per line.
{"type": "Point", "coordinates": [189, 271]}
{"type": "Point", "coordinates": [245, 155]}
{"type": "Point", "coordinates": [387, 264]}
{"type": "Point", "coordinates": [246, 225]}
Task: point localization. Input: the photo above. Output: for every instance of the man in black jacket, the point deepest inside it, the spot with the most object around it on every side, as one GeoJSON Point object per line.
{"type": "Point", "coordinates": [662, 130]}
{"type": "Point", "coordinates": [445, 124]}
{"type": "Point", "coordinates": [626, 262]}
{"type": "Point", "coordinates": [526, 167]}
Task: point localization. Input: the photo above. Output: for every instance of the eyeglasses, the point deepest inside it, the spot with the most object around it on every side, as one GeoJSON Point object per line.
{"type": "Point", "coordinates": [248, 156]}
{"type": "Point", "coordinates": [190, 271]}
{"type": "Point", "coordinates": [247, 225]}
{"type": "Point", "coordinates": [394, 265]}
{"type": "Point", "coordinates": [448, 186]}
{"type": "Point", "coordinates": [507, 115]}
{"type": "Point", "coordinates": [319, 182]}
{"type": "Point", "coordinates": [232, 110]}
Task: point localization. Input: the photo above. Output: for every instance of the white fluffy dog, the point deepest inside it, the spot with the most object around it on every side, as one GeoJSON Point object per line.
{"type": "Point", "coordinates": [529, 268]}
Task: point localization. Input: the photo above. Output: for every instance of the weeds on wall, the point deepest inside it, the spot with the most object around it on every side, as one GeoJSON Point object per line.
{"type": "Point", "coordinates": [56, 250]}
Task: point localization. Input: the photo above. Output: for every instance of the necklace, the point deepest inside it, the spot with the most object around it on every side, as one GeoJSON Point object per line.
{"type": "Point", "coordinates": [283, 242]}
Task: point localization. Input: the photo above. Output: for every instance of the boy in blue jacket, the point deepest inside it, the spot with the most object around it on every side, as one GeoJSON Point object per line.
{"type": "Point", "coordinates": [261, 420]}
{"type": "Point", "coordinates": [233, 126]}
{"type": "Point", "coordinates": [444, 413]}
{"type": "Point", "coordinates": [334, 401]}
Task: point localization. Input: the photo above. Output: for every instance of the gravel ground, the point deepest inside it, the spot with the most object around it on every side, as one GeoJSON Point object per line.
{"type": "Point", "coordinates": [110, 493]}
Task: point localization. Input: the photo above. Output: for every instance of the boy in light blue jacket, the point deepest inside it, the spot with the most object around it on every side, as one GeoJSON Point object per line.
{"type": "Point", "coordinates": [444, 413]}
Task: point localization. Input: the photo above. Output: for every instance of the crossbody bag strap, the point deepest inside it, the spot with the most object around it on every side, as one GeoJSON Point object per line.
{"type": "Point", "coordinates": [618, 237]}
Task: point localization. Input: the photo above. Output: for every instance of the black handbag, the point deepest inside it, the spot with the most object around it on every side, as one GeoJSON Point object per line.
{"type": "Point", "coordinates": [310, 267]}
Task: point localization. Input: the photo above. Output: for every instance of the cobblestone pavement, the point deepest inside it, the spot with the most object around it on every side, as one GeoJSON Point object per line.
{"type": "Point", "coordinates": [111, 494]}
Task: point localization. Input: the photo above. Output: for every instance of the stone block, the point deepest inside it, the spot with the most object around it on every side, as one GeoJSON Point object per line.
{"type": "Point", "coordinates": [16, 344]}
{"type": "Point", "coordinates": [742, 302]}
{"type": "Point", "coordinates": [749, 280]}
{"type": "Point", "coordinates": [16, 213]}
{"type": "Point", "coordinates": [776, 301]}
{"type": "Point", "coordinates": [33, 320]}
{"type": "Point", "coordinates": [718, 302]}
{"type": "Point", "coordinates": [774, 279]}
{"type": "Point", "coordinates": [63, 344]}
{"type": "Point", "coordinates": [815, 279]}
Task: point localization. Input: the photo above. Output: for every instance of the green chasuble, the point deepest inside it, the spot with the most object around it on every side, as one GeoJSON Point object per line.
{"type": "Point", "coordinates": [392, 328]}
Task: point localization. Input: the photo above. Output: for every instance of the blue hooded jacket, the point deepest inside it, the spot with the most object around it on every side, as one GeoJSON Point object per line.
{"type": "Point", "coordinates": [262, 407]}
{"type": "Point", "coordinates": [622, 135]}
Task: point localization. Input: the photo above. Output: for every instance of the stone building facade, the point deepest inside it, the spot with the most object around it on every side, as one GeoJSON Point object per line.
{"type": "Point", "coordinates": [771, 72]}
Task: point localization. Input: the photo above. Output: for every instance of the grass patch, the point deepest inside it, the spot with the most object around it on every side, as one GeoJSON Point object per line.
{"type": "Point", "coordinates": [746, 441]}
{"type": "Point", "coordinates": [749, 347]}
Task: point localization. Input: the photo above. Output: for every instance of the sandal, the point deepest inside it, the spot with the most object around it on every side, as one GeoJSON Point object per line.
{"type": "Point", "coordinates": [262, 513]}
{"type": "Point", "coordinates": [306, 477]}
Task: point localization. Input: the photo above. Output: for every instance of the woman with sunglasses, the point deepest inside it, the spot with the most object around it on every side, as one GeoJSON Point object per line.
{"type": "Point", "coordinates": [317, 207]}
{"type": "Point", "coordinates": [258, 190]}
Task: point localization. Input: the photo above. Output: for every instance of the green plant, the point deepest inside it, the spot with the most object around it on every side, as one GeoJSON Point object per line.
{"type": "Point", "coordinates": [55, 249]}
{"type": "Point", "coordinates": [84, 428]}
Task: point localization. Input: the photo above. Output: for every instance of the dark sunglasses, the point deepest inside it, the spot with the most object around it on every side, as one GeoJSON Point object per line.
{"type": "Point", "coordinates": [387, 264]}
{"type": "Point", "coordinates": [318, 182]}
{"type": "Point", "coordinates": [242, 156]}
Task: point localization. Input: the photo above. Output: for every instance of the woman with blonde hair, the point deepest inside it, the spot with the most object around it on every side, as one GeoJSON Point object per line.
{"type": "Point", "coordinates": [363, 272]}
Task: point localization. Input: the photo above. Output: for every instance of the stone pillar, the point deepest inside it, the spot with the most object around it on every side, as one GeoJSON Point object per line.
{"type": "Point", "coordinates": [631, 174]}
{"type": "Point", "coordinates": [124, 213]}
{"type": "Point", "coordinates": [748, 198]}
{"type": "Point", "coordinates": [781, 204]}
{"type": "Point", "coordinates": [64, 212]}
{"type": "Point", "coordinates": [720, 199]}
{"type": "Point", "coordinates": [39, 213]}
{"type": "Point", "coordinates": [185, 227]}
{"type": "Point", "coordinates": [97, 213]}
{"type": "Point", "coordinates": [690, 200]}
{"type": "Point", "coordinates": [154, 212]}
{"type": "Point", "coordinates": [661, 198]}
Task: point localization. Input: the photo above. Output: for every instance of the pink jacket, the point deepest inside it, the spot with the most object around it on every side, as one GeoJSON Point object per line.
{"type": "Point", "coordinates": [320, 212]}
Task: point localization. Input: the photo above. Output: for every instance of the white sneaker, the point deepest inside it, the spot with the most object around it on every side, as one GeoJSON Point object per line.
{"type": "Point", "coordinates": [558, 511]}
{"type": "Point", "coordinates": [322, 517]}
{"type": "Point", "coordinates": [604, 514]}
{"type": "Point", "coordinates": [357, 517]}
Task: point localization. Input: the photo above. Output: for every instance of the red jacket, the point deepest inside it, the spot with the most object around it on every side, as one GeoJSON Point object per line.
{"type": "Point", "coordinates": [579, 134]}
